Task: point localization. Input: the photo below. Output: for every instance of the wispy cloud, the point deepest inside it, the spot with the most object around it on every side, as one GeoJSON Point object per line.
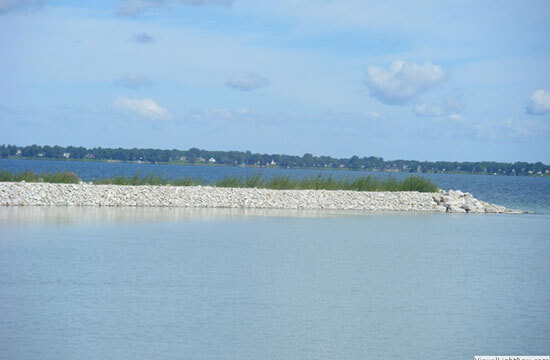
{"type": "Point", "coordinates": [11, 5]}
{"type": "Point", "coordinates": [143, 38]}
{"type": "Point", "coordinates": [456, 117]}
{"type": "Point", "coordinates": [457, 126]}
{"type": "Point", "coordinates": [132, 81]}
{"type": "Point", "coordinates": [247, 82]}
{"type": "Point", "coordinates": [146, 108]}
{"type": "Point", "coordinates": [428, 110]}
{"type": "Point", "coordinates": [373, 115]}
{"type": "Point", "coordinates": [402, 81]}
{"type": "Point", "coordinates": [450, 106]}
{"type": "Point", "coordinates": [505, 129]}
{"type": "Point", "coordinates": [539, 103]}
{"type": "Point", "coordinates": [137, 7]}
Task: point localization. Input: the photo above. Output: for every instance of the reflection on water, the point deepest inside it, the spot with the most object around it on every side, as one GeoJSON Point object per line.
{"type": "Point", "coordinates": [24, 215]}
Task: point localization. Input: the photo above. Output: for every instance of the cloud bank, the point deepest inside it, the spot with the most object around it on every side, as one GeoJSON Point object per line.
{"type": "Point", "coordinates": [402, 81]}
{"type": "Point", "coordinates": [11, 5]}
{"type": "Point", "coordinates": [133, 82]}
{"type": "Point", "coordinates": [137, 7]}
{"type": "Point", "coordinates": [247, 82]}
{"type": "Point", "coordinates": [146, 108]}
{"type": "Point", "coordinates": [539, 103]}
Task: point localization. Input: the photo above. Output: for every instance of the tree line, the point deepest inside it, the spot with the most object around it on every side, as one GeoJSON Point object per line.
{"type": "Point", "coordinates": [247, 158]}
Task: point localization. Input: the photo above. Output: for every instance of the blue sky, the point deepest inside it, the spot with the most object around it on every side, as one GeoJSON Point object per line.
{"type": "Point", "coordinates": [424, 80]}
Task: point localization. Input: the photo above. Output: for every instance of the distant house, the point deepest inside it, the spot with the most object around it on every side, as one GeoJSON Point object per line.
{"type": "Point", "coordinates": [89, 156]}
{"type": "Point", "coordinates": [183, 158]}
{"type": "Point", "coordinates": [66, 155]}
{"type": "Point", "coordinates": [272, 162]}
{"type": "Point", "coordinates": [41, 155]}
{"type": "Point", "coordinates": [18, 153]}
{"type": "Point", "coordinates": [211, 160]}
{"type": "Point", "coordinates": [200, 159]}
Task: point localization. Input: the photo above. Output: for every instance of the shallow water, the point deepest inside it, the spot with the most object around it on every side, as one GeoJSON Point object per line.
{"type": "Point", "coordinates": [92, 283]}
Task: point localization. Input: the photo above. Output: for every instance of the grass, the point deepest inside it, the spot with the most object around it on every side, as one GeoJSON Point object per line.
{"type": "Point", "coordinates": [362, 183]}
{"type": "Point", "coordinates": [30, 176]}
{"type": "Point", "coordinates": [149, 180]}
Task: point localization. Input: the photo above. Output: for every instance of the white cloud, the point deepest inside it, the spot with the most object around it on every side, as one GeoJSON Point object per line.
{"type": "Point", "coordinates": [132, 81]}
{"type": "Point", "coordinates": [457, 126]}
{"type": "Point", "coordinates": [10, 5]}
{"type": "Point", "coordinates": [137, 7]}
{"type": "Point", "coordinates": [143, 38]}
{"type": "Point", "coordinates": [428, 110]}
{"type": "Point", "coordinates": [456, 117]}
{"type": "Point", "coordinates": [539, 103]}
{"type": "Point", "coordinates": [373, 115]}
{"type": "Point", "coordinates": [402, 81]}
{"type": "Point", "coordinates": [228, 113]}
{"type": "Point", "coordinates": [451, 106]}
{"type": "Point", "coordinates": [247, 82]}
{"type": "Point", "coordinates": [143, 107]}
{"type": "Point", "coordinates": [506, 128]}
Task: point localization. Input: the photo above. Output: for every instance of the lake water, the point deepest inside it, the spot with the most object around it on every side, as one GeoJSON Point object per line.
{"type": "Point", "coordinates": [126, 283]}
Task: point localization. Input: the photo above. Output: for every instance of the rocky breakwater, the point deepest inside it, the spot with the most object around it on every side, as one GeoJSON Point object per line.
{"type": "Point", "coordinates": [456, 201]}
{"type": "Point", "coordinates": [43, 194]}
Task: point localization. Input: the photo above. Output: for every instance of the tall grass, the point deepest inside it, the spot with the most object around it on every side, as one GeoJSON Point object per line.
{"type": "Point", "coordinates": [363, 183]}
{"type": "Point", "coordinates": [29, 176]}
{"type": "Point", "coordinates": [150, 179]}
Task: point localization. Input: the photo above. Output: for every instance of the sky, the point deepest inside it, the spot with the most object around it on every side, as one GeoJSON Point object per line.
{"type": "Point", "coordinates": [423, 80]}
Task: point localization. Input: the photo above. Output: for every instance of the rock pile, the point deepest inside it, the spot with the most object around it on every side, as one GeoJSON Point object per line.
{"type": "Point", "coordinates": [43, 194]}
{"type": "Point", "coordinates": [455, 201]}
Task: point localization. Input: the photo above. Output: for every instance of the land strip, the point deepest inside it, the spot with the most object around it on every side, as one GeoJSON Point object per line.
{"type": "Point", "coordinates": [84, 194]}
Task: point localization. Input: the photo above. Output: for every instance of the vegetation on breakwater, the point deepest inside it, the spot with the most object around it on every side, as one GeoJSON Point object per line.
{"type": "Point", "coordinates": [247, 158]}
{"type": "Point", "coordinates": [363, 183]}
{"type": "Point", "coordinates": [30, 176]}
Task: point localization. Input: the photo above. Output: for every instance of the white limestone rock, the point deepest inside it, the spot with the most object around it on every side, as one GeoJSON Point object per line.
{"type": "Point", "coordinates": [84, 194]}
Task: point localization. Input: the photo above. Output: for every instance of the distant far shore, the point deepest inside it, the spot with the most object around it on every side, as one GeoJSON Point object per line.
{"type": "Point", "coordinates": [195, 156]}
{"type": "Point", "coordinates": [186, 163]}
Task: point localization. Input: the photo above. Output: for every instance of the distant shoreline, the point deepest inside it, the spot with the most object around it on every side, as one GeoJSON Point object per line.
{"type": "Point", "coordinates": [247, 158]}
{"type": "Point", "coordinates": [180, 163]}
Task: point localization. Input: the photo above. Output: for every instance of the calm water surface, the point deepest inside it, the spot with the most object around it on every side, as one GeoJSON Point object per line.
{"type": "Point", "coordinates": [80, 283]}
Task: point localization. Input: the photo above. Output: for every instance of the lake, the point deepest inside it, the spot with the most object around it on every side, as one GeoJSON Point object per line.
{"type": "Point", "coordinates": [112, 283]}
